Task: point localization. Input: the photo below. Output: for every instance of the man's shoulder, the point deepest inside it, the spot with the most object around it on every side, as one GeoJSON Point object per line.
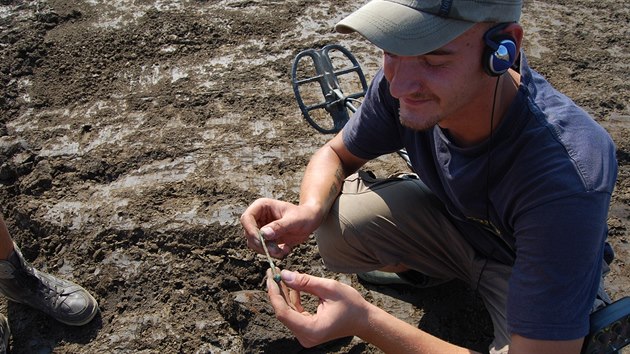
{"type": "Point", "coordinates": [553, 111]}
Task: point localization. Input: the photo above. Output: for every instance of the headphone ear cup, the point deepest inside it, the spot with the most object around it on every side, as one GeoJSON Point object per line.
{"type": "Point", "coordinates": [498, 61]}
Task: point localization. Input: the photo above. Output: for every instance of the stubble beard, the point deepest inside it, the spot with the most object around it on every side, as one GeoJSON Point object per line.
{"type": "Point", "coordinates": [417, 122]}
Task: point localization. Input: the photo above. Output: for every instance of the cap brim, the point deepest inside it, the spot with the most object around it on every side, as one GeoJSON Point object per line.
{"type": "Point", "coordinates": [401, 30]}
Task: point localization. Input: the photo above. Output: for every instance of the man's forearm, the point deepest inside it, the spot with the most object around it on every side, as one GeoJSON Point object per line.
{"type": "Point", "coordinates": [393, 335]}
{"type": "Point", "coordinates": [322, 181]}
{"type": "Point", "coordinates": [325, 174]}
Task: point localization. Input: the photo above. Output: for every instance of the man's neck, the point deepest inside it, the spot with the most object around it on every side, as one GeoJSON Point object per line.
{"type": "Point", "coordinates": [473, 128]}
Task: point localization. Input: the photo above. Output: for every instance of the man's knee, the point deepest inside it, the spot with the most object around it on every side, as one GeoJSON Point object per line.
{"type": "Point", "coordinates": [360, 220]}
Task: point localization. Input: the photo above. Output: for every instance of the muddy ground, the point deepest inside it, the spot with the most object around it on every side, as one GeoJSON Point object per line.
{"type": "Point", "coordinates": [134, 133]}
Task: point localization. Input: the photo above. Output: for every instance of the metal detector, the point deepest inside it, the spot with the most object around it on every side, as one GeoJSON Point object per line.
{"type": "Point", "coordinates": [336, 103]}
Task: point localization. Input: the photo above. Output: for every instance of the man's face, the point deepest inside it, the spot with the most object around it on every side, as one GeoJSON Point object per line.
{"type": "Point", "coordinates": [442, 86]}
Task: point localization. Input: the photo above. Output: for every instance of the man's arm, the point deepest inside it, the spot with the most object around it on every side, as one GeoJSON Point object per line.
{"type": "Point", "coordinates": [324, 175]}
{"type": "Point", "coordinates": [522, 345]}
{"type": "Point", "coordinates": [393, 335]}
{"type": "Point", "coordinates": [343, 312]}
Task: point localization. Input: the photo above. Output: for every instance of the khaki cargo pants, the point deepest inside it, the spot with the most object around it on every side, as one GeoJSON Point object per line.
{"type": "Point", "coordinates": [397, 221]}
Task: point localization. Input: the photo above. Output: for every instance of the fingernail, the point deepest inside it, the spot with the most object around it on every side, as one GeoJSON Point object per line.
{"type": "Point", "coordinates": [273, 247]}
{"type": "Point", "coordinates": [288, 276]}
{"type": "Point", "coordinates": [267, 232]}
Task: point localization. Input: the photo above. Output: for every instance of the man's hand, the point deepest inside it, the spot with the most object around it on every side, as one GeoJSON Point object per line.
{"type": "Point", "coordinates": [340, 312]}
{"type": "Point", "coordinates": [283, 225]}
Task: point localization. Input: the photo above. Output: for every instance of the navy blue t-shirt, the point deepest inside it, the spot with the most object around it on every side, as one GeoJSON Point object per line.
{"type": "Point", "coordinates": [542, 195]}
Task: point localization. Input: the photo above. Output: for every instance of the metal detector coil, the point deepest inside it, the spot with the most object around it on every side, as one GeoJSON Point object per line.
{"type": "Point", "coordinates": [336, 103]}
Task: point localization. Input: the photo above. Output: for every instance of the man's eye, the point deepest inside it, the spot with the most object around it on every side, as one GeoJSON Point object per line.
{"type": "Point", "coordinates": [434, 62]}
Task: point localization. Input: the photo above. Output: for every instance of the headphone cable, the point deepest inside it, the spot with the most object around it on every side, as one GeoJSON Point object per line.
{"type": "Point", "coordinates": [494, 101]}
{"type": "Point", "coordinates": [490, 141]}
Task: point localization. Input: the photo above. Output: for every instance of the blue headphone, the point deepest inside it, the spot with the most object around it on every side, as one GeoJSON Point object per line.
{"type": "Point", "coordinates": [500, 53]}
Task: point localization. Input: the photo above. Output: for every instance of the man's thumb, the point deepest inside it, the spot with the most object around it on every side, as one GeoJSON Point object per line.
{"type": "Point", "coordinates": [268, 232]}
{"type": "Point", "coordinates": [303, 282]}
{"type": "Point", "coordinates": [288, 276]}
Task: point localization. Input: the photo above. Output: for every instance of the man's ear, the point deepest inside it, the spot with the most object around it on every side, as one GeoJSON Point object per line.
{"type": "Point", "coordinates": [502, 48]}
{"type": "Point", "coordinates": [515, 31]}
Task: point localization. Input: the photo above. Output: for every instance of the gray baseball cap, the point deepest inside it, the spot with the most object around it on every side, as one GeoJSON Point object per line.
{"type": "Point", "coordinates": [416, 27]}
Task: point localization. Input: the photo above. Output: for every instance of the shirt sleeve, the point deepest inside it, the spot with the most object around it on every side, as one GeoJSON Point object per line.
{"type": "Point", "coordinates": [374, 130]}
{"type": "Point", "coordinates": [558, 266]}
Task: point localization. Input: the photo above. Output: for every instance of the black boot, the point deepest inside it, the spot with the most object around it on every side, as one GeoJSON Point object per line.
{"type": "Point", "coordinates": [63, 300]}
{"type": "Point", "coordinates": [408, 277]}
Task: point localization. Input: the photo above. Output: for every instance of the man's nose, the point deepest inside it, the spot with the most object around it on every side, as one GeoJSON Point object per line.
{"type": "Point", "coordinates": [405, 78]}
